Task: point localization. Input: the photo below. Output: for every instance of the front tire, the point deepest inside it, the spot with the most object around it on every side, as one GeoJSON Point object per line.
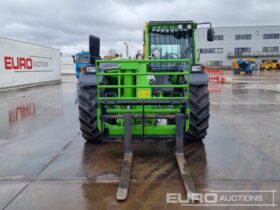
{"type": "Point", "coordinates": [199, 112]}
{"type": "Point", "coordinates": [88, 104]}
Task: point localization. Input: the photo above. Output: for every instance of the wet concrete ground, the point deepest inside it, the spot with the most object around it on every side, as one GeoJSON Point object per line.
{"type": "Point", "coordinates": [45, 163]}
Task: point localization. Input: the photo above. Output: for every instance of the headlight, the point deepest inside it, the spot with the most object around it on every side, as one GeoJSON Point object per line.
{"type": "Point", "coordinates": [197, 68]}
{"type": "Point", "coordinates": [83, 69]}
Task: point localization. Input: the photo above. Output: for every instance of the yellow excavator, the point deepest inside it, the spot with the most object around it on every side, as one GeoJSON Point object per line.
{"type": "Point", "coordinates": [269, 65]}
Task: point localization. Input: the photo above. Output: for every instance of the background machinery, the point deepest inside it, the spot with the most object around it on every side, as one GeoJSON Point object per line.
{"type": "Point", "coordinates": [82, 62]}
{"type": "Point", "coordinates": [269, 65]}
{"type": "Point", "coordinates": [247, 65]}
{"type": "Point", "coordinates": [162, 96]}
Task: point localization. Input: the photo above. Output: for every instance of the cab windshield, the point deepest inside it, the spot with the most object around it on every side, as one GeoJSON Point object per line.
{"type": "Point", "coordinates": [170, 44]}
{"type": "Point", "coordinates": [82, 59]}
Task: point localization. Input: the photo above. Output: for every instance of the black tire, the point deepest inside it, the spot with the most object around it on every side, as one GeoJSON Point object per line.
{"type": "Point", "coordinates": [199, 112]}
{"type": "Point", "coordinates": [88, 114]}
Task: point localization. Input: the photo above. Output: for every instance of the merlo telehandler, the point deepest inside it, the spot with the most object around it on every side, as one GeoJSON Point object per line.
{"type": "Point", "coordinates": [164, 95]}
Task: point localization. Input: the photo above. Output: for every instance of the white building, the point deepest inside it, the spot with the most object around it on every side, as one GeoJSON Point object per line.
{"type": "Point", "coordinates": [260, 42]}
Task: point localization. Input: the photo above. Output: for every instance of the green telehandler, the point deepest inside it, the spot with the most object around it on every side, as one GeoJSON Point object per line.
{"type": "Point", "coordinates": [164, 95]}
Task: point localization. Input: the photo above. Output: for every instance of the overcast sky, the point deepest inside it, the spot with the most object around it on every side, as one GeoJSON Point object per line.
{"type": "Point", "coordinates": [66, 24]}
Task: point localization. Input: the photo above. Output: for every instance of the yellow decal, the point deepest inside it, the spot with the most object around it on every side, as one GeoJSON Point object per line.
{"type": "Point", "coordinates": [143, 93]}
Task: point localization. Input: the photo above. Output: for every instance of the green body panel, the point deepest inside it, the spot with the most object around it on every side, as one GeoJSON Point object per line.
{"type": "Point", "coordinates": [131, 80]}
{"type": "Point", "coordinates": [195, 52]}
{"type": "Point", "coordinates": [147, 110]}
{"type": "Point", "coordinates": [149, 130]}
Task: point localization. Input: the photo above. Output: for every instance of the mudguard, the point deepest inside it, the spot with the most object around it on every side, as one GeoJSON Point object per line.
{"type": "Point", "coordinates": [199, 78]}
{"type": "Point", "coordinates": [88, 79]}
{"type": "Point", "coordinates": [196, 78]}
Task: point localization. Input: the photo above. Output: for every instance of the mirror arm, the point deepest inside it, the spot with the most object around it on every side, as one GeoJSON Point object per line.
{"type": "Point", "coordinates": [204, 23]}
{"type": "Point", "coordinates": [74, 58]}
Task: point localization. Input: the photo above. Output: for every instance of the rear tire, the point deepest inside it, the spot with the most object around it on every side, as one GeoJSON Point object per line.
{"type": "Point", "coordinates": [88, 104]}
{"type": "Point", "coordinates": [199, 112]}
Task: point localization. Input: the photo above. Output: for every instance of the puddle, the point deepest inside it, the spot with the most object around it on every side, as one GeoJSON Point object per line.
{"type": "Point", "coordinates": [107, 178]}
{"type": "Point", "coordinates": [215, 87]}
{"type": "Point", "coordinates": [255, 92]}
{"type": "Point", "coordinates": [20, 113]}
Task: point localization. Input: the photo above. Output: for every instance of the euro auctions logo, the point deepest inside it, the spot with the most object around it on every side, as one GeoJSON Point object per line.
{"type": "Point", "coordinates": [28, 63]}
{"type": "Point", "coordinates": [229, 198]}
{"type": "Point", "coordinates": [17, 63]}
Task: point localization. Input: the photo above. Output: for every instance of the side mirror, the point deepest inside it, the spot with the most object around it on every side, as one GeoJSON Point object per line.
{"type": "Point", "coordinates": [210, 35]}
{"type": "Point", "coordinates": [74, 58]}
{"type": "Point", "coordinates": [94, 48]}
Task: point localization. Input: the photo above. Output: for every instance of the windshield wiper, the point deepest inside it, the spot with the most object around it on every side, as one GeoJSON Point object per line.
{"type": "Point", "coordinates": [184, 55]}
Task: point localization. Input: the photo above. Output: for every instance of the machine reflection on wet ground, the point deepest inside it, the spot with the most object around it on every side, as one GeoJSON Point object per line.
{"type": "Point", "coordinates": [45, 163]}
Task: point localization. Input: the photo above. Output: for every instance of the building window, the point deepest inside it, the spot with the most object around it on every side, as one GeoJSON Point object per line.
{"type": "Point", "coordinates": [243, 36]}
{"type": "Point", "coordinates": [218, 37]}
{"type": "Point", "coordinates": [270, 49]}
{"type": "Point", "coordinates": [241, 50]}
{"type": "Point", "coordinates": [211, 50]}
{"type": "Point", "coordinates": [271, 36]}
{"type": "Point", "coordinates": [214, 63]}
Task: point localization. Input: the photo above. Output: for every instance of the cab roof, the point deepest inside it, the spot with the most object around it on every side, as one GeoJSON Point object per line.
{"type": "Point", "coordinates": [172, 23]}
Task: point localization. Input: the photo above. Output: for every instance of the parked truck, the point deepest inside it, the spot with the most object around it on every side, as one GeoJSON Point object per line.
{"type": "Point", "coordinates": [82, 62]}
{"type": "Point", "coordinates": [130, 98]}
